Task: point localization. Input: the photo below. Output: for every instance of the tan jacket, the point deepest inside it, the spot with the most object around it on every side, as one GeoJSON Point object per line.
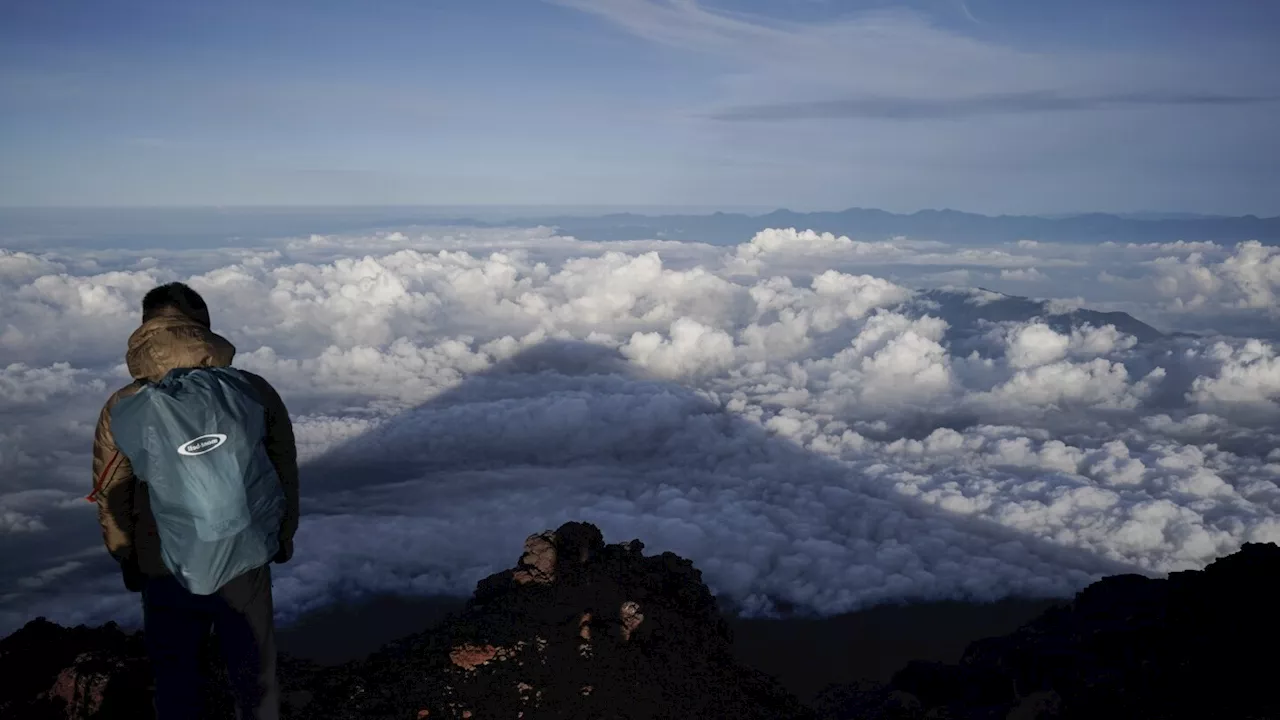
{"type": "Point", "coordinates": [161, 344]}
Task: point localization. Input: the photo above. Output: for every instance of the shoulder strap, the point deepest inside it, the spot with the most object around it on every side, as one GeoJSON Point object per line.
{"type": "Point", "coordinates": [106, 472]}
{"type": "Point", "coordinates": [115, 457]}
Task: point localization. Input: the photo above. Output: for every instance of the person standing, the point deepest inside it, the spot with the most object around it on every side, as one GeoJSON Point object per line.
{"type": "Point", "coordinates": [196, 524]}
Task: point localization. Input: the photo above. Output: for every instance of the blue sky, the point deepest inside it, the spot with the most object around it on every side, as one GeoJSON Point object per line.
{"type": "Point", "coordinates": [985, 105]}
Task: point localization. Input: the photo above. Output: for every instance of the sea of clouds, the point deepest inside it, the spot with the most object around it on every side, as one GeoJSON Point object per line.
{"type": "Point", "coordinates": [820, 423]}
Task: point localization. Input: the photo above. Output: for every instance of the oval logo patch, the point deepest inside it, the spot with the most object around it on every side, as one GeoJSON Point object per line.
{"type": "Point", "coordinates": [202, 444]}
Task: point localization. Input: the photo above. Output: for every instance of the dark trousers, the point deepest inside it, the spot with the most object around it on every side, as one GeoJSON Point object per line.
{"type": "Point", "coordinates": [176, 624]}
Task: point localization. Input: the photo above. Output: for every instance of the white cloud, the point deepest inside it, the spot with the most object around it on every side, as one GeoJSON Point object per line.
{"type": "Point", "coordinates": [1090, 340]}
{"type": "Point", "coordinates": [1248, 278]}
{"type": "Point", "coordinates": [787, 249]}
{"type": "Point", "coordinates": [1247, 377]}
{"type": "Point", "coordinates": [691, 349]}
{"type": "Point", "coordinates": [20, 267]}
{"type": "Point", "coordinates": [1032, 344]}
{"type": "Point", "coordinates": [1036, 344]}
{"type": "Point", "coordinates": [893, 359]}
{"type": "Point", "coordinates": [1164, 248]}
{"type": "Point", "coordinates": [750, 258]}
{"type": "Point", "coordinates": [44, 312]}
{"type": "Point", "coordinates": [16, 522]}
{"type": "Point", "coordinates": [22, 385]}
{"type": "Point", "coordinates": [1096, 383]}
{"type": "Point", "coordinates": [1023, 274]}
{"type": "Point", "coordinates": [812, 430]}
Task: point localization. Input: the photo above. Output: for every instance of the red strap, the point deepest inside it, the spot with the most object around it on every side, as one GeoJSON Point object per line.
{"type": "Point", "coordinates": [106, 471]}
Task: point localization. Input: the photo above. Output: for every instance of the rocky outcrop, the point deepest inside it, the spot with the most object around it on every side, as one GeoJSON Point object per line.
{"type": "Point", "coordinates": [1200, 644]}
{"type": "Point", "coordinates": [578, 629]}
{"type": "Point", "coordinates": [581, 629]}
{"type": "Point", "coordinates": [50, 671]}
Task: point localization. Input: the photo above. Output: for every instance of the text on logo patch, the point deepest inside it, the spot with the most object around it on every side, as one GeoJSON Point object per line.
{"type": "Point", "coordinates": [202, 444]}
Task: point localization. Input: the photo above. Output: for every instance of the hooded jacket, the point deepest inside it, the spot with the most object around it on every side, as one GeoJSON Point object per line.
{"type": "Point", "coordinates": [172, 340]}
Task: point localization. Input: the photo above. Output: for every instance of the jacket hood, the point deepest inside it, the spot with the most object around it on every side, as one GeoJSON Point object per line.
{"type": "Point", "coordinates": [173, 340]}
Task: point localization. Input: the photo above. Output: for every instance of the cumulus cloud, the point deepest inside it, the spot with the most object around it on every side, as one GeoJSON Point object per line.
{"type": "Point", "coordinates": [1248, 278]}
{"type": "Point", "coordinates": [21, 267]}
{"type": "Point", "coordinates": [1247, 376]}
{"type": "Point", "coordinates": [793, 414]}
{"type": "Point", "coordinates": [15, 522]}
{"type": "Point", "coordinates": [689, 348]}
{"type": "Point", "coordinates": [1023, 274]}
{"type": "Point", "coordinates": [1035, 343]}
{"type": "Point", "coordinates": [21, 385]}
{"type": "Point", "coordinates": [750, 257]}
{"type": "Point", "coordinates": [1097, 383]}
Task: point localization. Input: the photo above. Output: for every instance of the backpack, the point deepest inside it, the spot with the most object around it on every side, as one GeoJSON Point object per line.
{"type": "Point", "coordinates": [196, 439]}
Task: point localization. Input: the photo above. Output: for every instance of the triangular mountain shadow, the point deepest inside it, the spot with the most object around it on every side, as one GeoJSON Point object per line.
{"type": "Point", "coordinates": [610, 438]}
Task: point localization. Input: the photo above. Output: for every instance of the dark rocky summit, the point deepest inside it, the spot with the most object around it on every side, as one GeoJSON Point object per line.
{"type": "Point", "coordinates": [1201, 644]}
{"type": "Point", "coordinates": [50, 671]}
{"type": "Point", "coordinates": [580, 629]}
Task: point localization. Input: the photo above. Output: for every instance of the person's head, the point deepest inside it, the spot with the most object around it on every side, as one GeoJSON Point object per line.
{"type": "Point", "coordinates": [175, 296]}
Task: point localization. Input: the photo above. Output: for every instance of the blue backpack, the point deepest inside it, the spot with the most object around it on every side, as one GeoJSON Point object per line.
{"type": "Point", "coordinates": [196, 439]}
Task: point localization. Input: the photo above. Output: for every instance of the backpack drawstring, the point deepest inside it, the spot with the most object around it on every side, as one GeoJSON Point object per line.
{"type": "Point", "coordinates": [97, 485]}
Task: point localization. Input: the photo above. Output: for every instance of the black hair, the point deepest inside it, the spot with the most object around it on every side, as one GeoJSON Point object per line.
{"type": "Point", "coordinates": [175, 296]}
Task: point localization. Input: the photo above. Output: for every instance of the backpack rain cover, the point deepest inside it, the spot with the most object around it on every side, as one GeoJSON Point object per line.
{"type": "Point", "coordinates": [196, 439]}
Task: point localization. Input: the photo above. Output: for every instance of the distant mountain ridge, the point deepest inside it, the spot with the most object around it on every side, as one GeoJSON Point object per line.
{"type": "Point", "coordinates": [968, 311]}
{"type": "Point", "coordinates": [39, 228]}
{"type": "Point", "coordinates": [941, 225]}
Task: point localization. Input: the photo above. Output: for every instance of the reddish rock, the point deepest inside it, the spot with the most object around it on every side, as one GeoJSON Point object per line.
{"type": "Point", "coordinates": [631, 617]}
{"type": "Point", "coordinates": [82, 686]}
{"type": "Point", "coordinates": [470, 657]}
{"type": "Point", "coordinates": [54, 673]}
{"type": "Point", "coordinates": [673, 659]}
{"type": "Point", "coordinates": [538, 564]}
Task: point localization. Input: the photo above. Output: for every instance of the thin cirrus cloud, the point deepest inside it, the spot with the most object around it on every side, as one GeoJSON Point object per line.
{"type": "Point", "coordinates": [907, 65]}
{"type": "Point", "coordinates": [903, 108]}
{"type": "Point", "coordinates": [814, 420]}
{"type": "Point", "coordinates": [889, 52]}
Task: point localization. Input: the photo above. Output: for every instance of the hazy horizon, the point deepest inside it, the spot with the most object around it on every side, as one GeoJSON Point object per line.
{"type": "Point", "coordinates": [546, 209]}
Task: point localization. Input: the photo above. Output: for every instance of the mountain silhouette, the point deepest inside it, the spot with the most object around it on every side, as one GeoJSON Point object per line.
{"type": "Point", "coordinates": [970, 311]}
{"type": "Point", "coordinates": [581, 629]}
{"type": "Point", "coordinates": [949, 226]}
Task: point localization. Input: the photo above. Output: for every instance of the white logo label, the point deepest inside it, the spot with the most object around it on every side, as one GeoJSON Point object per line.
{"type": "Point", "coordinates": [202, 444]}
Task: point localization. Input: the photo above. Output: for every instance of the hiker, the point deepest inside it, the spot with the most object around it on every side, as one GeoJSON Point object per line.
{"type": "Point", "coordinates": [219, 504]}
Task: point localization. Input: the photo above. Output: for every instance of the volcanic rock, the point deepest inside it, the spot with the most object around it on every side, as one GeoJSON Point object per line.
{"type": "Point", "coordinates": [1200, 644]}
